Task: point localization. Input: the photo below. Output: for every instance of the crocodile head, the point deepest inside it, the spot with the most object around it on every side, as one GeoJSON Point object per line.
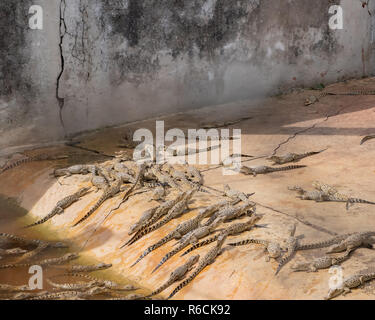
{"type": "Point", "coordinates": [334, 292]}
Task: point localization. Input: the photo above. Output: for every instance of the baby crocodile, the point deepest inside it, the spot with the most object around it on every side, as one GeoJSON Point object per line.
{"type": "Point", "coordinates": [350, 283]}
{"type": "Point", "coordinates": [47, 262]}
{"type": "Point", "coordinates": [320, 263]}
{"type": "Point", "coordinates": [61, 205]}
{"type": "Point", "coordinates": [92, 268]}
{"type": "Point", "coordinates": [190, 238]}
{"type": "Point", "coordinates": [208, 259]}
{"type": "Point", "coordinates": [177, 275]}
{"type": "Point", "coordinates": [264, 169]}
{"type": "Point", "coordinates": [272, 248]}
{"type": "Point", "coordinates": [234, 229]}
{"type": "Point", "coordinates": [39, 157]}
{"type": "Point", "coordinates": [292, 157]}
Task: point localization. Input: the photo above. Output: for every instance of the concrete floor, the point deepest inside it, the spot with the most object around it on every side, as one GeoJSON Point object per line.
{"type": "Point", "coordinates": [282, 124]}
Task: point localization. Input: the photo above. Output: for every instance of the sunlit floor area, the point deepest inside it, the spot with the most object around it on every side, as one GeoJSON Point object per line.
{"type": "Point", "coordinates": [334, 125]}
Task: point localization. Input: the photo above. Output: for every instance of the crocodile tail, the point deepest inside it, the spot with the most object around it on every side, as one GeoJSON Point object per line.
{"type": "Point", "coordinates": [185, 282]}
{"type": "Point", "coordinates": [18, 265]}
{"type": "Point", "coordinates": [145, 253]}
{"type": "Point", "coordinates": [16, 164]}
{"type": "Point", "coordinates": [168, 256]}
{"type": "Point", "coordinates": [247, 241]}
{"type": "Point", "coordinates": [200, 244]}
{"type": "Point", "coordinates": [283, 261]}
{"type": "Point", "coordinates": [154, 247]}
{"type": "Point", "coordinates": [41, 221]}
{"type": "Point", "coordinates": [136, 237]}
{"type": "Point", "coordinates": [160, 289]}
{"type": "Point", "coordinates": [92, 210]}
{"type": "Point", "coordinates": [289, 168]}
{"type": "Point", "coordinates": [357, 200]}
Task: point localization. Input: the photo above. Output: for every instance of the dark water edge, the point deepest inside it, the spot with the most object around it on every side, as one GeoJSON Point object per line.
{"type": "Point", "coordinates": [12, 218]}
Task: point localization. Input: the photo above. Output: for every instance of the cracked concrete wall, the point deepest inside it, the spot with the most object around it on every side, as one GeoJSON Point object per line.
{"type": "Point", "coordinates": [105, 62]}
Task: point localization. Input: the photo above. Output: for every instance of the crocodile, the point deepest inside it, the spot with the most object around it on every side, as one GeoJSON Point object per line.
{"type": "Point", "coordinates": [313, 99]}
{"type": "Point", "coordinates": [76, 169]}
{"type": "Point", "coordinates": [27, 295]}
{"type": "Point", "coordinates": [315, 195]}
{"type": "Point", "coordinates": [91, 268]}
{"type": "Point", "coordinates": [61, 205]}
{"type": "Point", "coordinates": [78, 286]}
{"type": "Point", "coordinates": [133, 296]}
{"type": "Point", "coordinates": [350, 283]}
{"type": "Point", "coordinates": [12, 252]}
{"type": "Point", "coordinates": [190, 238]}
{"type": "Point", "coordinates": [181, 230]}
{"type": "Point", "coordinates": [99, 182]}
{"type": "Point", "coordinates": [272, 248]}
{"type": "Point", "coordinates": [38, 157]}
{"type": "Point", "coordinates": [47, 262]}
{"type": "Point", "coordinates": [265, 169]}
{"type": "Point", "coordinates": [164, 178]}
{"type": "Point", "coordinates": [104, 283]}
{"type": "Point", "coordinates": [230, 212]}
{"type": "Point", "coordinates": [320, 263]}
{"type": "Point", "coordinates": [174, 213]}
{"type": "Point", "coordinates": [232, 230]}
{"type": "Point", "coordinates": [158, 194]}
{"type": "Point", "coordinates": [27, 256]}
{"type": "Point", "coordinates": [234, 194]}
{"type": "Point", "coordinates": [194, 175]}
{"type": "Point", "coordinates": [108, 193]}
{"type": "Point", "coordinates": [11, 288]}
{"type": "Point", "coordinates": [352, 242]}
{"type": "Point", "coordinates": [208, 259]}
{"type": "Point", "coordinates": [291, 246]}
{"type": "Point", "coordinates": [323, 243]}
{"type": "Point", "coordinates": [34, 242]}
{"type": "Point", "coordinates": [63, 295]}
{"type": "Point", "coordinates": [177, 275]}
{"type": "Point", "coordinates": [292, 157]}
{"type": "Point", "coordinates": [146, 216]}
{"type": "Point", "coordinates": [334, 195]}
{"type": "Point", "coordinates": [160, 211]}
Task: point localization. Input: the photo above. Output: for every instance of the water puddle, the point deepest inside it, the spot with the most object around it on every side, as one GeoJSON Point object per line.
{"type": "Point", "coordinates": [12, 218]}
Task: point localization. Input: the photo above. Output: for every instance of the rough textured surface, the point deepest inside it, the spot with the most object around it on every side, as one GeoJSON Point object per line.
{"type": "Point", "coordinates": [283, 124]}
{"type": "Point", "coordinates": [107, 62]}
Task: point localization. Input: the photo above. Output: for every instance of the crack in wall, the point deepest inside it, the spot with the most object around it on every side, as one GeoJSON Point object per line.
{"type": "Point", "coordinates": [62, 31]}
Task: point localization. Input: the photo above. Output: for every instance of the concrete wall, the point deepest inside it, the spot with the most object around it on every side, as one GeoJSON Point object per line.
{"type": "Point", "coordinates": [106, 62]}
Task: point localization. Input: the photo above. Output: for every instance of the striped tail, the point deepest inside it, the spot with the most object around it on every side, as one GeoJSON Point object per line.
{"type": "Point", "coordinates": [284, 260]}
{"type": "Point", "coordinates": [288, 168]}
{"type": "Point", "coordinates": [15, 265]}
{"type": "Point", "coordinates": [144, 232]}
{"type": "Point", "coordinates": [170, 255]}
{"type": "Point", "coordinates": [162, 288]}
{"type": "Point", "coordinates": [16, 164]}
{"type": "Point", "coordinates": [154, 247]}
{"type": "Point", "coordinates": [312, 153]}
{"type": "Point", "coordinates": [247, 241]}
{"type": "Point", "coordinates": [200, 244]}
{"type": "Point", "coordinates": [92, 210]}
{"type": "Point", "coordinates": [45, 219]}
{"type": "Point", "coordinates": [357, 200]}
{"type": "Point", "coordinates": [187, 281]}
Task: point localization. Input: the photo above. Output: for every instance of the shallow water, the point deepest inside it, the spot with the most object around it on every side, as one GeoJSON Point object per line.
{"type": "Point", "coordinates": [12, 218]}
